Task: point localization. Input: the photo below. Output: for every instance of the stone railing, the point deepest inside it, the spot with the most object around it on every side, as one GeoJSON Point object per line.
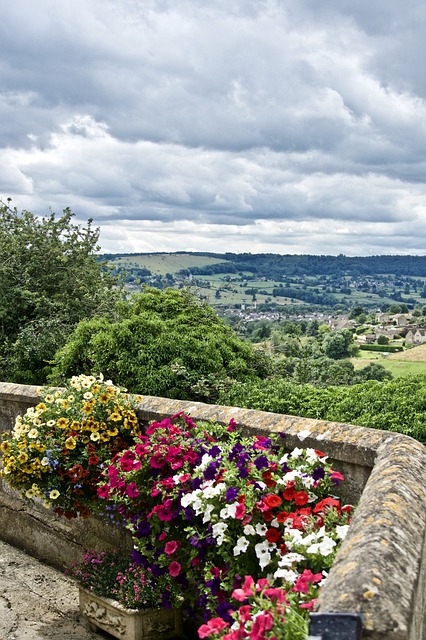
{"type": "Point", "coordinates": [380, 570]}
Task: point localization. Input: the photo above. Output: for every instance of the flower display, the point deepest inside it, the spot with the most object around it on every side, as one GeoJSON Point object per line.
{"type": "Point", "coordinates": [112, 574]}
{"type": "Point", "coordinates": [215, 510]}
{"type": "Point", "coordinates": [57, 449]}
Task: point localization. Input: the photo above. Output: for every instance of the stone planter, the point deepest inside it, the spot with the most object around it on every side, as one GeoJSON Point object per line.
{"type": "Point", "coordinates": [129, 624]}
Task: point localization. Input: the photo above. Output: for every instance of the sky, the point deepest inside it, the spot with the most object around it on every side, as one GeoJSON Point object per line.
{"type": "Point", "coordinates": [278, 126]}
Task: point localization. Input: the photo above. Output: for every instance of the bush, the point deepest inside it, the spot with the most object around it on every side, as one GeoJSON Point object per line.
{"type": "Point", "coordinates": [162, 343]}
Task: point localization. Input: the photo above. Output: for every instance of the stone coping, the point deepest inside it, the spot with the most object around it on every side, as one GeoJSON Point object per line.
{"type": "Point", "coordinates": [380, 570]}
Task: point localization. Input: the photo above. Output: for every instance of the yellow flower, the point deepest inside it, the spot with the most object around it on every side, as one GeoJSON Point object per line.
{"type": "Point", "coordinates": [41, 406]}
{"type": "Point", "coordinates": [62, 423]}
{"type": "Point", "coordinates": [112, 432]}
{"type": "Point", "coordinates": [95, 436]}
{"type": "Point", "coordinates": [71, 398]}
{"type": "Point", "coordinates": [54, 494]}
{"type": "Point", "coordinates": [5, 447]}
{"type": "Point", "coordinates": [96, 388]}
{"type": "Point", "coordinates": [41, 448]}
{"type": "Point", "coordinates": [88, 407]}
{"type": "Point", "coordinates": [64, 403]}
{"type": "Point", "coordinates": [49, 398]}
{"type": "Point", "coordinates": [29, 493]}
{"type": "Point", "coordinates": [115, 416]}
{"type": "Point", "coordinates": [104, 397]}
{"type": "Point", "coordinates": [32, 433]}
{"type": "Point", "coordinates": [70, 443]}
{"type": "Point", "coordinates": [75, 426]}
{"type": "Point", "coordinates": [23, 457]}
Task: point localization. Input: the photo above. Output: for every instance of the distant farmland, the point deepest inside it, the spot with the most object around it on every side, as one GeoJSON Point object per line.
{"type": "Point", "coordinates": [161, 263]}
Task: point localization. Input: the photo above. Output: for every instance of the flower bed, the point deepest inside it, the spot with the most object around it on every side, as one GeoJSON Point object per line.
{"type": "Point", "coordinates": [230, 519]}
{"type": "Point", "coordinates": [57, 449]}
{"type": "Point", "coordinates": [236, 527]}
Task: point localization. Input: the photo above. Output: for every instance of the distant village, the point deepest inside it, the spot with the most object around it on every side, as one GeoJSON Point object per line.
{"type": "Point", "coordinates": [392, 327]}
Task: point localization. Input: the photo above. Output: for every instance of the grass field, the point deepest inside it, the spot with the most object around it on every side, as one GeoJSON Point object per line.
{"type": "Point", "coordinates": [160, 264]}
{"type": "Point", "coordinates": [409, 362]}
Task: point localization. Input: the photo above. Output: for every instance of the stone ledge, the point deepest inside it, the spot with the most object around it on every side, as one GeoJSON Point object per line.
{"type": "Point", "coordinates": [380, 570]}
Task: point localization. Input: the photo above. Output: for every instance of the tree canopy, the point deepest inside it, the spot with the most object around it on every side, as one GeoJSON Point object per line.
{"type": "Point", "coordinates": [50, 278]}
{"type": "Point", "coordinates": [165, 343]}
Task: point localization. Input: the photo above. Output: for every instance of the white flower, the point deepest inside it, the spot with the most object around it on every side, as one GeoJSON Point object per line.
{"type": "Point", "coordinates": [342, 530]}
{"type": "Point", "coordinates": [32, 433]}
{"type": "Point", "coordinates": [283, 459]}
{"type": "Point", "coordinates": [289, 559]}
{"type": "Point", "coordinates": [208, 512]}
{"type": "Point", "coordinates": [218, 531]}
{"type": "Point", "coordinates": [287, 575]}
{"type": "Point", "coordinates": [261, 529]}
{"type": "Point", "coordinates": [249, 530]}
{"type": "Point", "coordinates": [262, 550]}
{"type": "Point", "coordinates": [229, 511]}
{"type": "Point", "coordinates": [241, 546]}
{"type": "Point", "coordinates": [296, 453]}
{"type": "Point", "coordinates": [325, 547]}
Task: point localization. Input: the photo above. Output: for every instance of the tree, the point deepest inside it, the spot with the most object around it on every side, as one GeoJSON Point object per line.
{"type": "Point", "coordinates": [164, 343]}
{"type": "Point", "coordinates": [50, 278]}
{"type": "Point", "coordinates": [338, 344]}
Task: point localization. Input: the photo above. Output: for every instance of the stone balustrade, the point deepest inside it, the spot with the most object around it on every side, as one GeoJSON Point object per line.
{"type": "Point", "coordinates": [380, 570]}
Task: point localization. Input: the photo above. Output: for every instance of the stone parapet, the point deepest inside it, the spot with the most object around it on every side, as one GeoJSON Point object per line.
{"type": "Point", "coordinates": [380, 570]}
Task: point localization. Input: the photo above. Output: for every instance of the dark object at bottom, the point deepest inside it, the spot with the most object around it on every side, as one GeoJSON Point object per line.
{"type": "Point", "coordinates": [335, 626]}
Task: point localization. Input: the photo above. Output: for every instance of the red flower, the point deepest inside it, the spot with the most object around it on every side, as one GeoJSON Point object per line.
{"type": "Point", "coordinates": [327, 503]}
{"type": "Point", "coordinates": [272, 500]}
{"type": "Point", "coordinates": [301, 498]}
{"type": "Point", "coordinates": [273, 535]}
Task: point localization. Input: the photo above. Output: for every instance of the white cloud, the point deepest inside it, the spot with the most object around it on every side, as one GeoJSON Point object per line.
{"type": "Point", "coordinates": [251, 126]}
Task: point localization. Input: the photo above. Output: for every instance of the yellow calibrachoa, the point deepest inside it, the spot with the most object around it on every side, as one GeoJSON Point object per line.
{"type": "Point", "coordinates": [56, 449]}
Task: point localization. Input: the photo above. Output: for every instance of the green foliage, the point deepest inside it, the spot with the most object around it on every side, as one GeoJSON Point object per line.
{"type": "Point", "coordinates": [163, 343]}
{"type": "Point", "coordinates": [396, 405]}
{"type": "Point", "coordinates": [50, 279]}
{"type": "Point", "coordinates": [338, 344]}
{"type": "Point", "coordinates": [387, 348]}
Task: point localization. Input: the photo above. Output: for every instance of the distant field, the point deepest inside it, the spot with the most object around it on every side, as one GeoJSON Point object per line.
{"type": "Point", "coordinates": [160, 264]}
{"type": "Point", "coordinates": [409, 362]}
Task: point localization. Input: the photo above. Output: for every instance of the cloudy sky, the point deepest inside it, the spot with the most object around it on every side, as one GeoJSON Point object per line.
{"type": "Point", "coordinates": [283, 126]}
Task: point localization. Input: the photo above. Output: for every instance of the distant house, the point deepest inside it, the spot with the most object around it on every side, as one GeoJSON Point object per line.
{"type": "Point", "coordinates": [400, 319]}
{"type": "Point", "coordinates": [415, 336]}
{"type": "Point", "coordinates": [367, 338]}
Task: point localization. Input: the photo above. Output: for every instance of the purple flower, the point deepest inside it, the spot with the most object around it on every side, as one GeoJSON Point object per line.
{"type": "Point", "coordinates": [318, 473]}
{"type": "Point", "coordinates": [214, 451]}
{"type": "Point", "coordinates": [210, 472]}
{"type": "Point", "coordinates": [231, 494]}
{"type": "Point", "coordinates": [261, 462]}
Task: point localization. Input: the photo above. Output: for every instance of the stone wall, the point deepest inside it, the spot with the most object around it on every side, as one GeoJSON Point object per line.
{"type": "Point", "coordinates": [380, 570]}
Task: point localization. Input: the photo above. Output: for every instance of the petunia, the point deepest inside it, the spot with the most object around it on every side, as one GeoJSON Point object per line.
{"type": "Point", "coordinates": [174, 569]}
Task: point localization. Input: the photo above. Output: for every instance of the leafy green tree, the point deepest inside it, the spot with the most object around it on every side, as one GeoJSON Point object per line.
{"type": "Point", "coordinates": [50, 278]}
{"type": "Point", "coordinates": [338, 344]}
{"type": "Point", "coordinates": [164, 343]}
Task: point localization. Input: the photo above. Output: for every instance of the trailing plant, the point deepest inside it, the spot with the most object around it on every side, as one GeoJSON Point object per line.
{"type": "Point", "coordinates": [57, 449]}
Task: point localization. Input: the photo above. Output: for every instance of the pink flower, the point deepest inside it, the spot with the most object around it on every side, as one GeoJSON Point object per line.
{"type": "Point", "coordinates": [240, 511]}
{"type": "Point", "coordinates": [263, 622]}
{"type": "Point", "coordinates": [213, 626]}
{"type": "Point", "coordinates": [244, 613]}
{"type": "Point", "coordinates": [309, 605]}
{"type": "Point", "coordinates": [132, 490]}
{"type": "Point", "coordinates": [171, 547]}
{"type": "Point", "coordinates": [245, 591]}
{"type": "Point", "coordinates": [103, 492]}
{"type": "Point", "coordinates": [174, 569]}
{"type": "Point", "coordinates": [302, 583]}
